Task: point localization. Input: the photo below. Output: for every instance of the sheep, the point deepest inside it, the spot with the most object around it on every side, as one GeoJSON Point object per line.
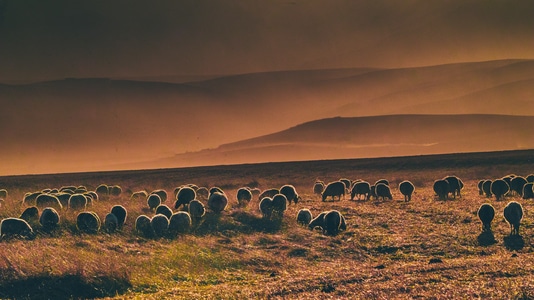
{"type": "Point", "coordinates": [217, 202]}
{"type": "Point", "coordinates": [290, 192]}
{"type": "Point", "coordinates": [30, 215]}
{"type": "Point", "coordinates": [372, 193]}
{"type": "Point", "coordinates": [317, 221]}
{"type": "Point", "coordinates": [517, 183]}
{"type": "Point", "coordinates": [92, 195]}
{"type": "Point", "coordinates": [360, 188]}
{"type": "Point", "coordinates": [347, 183]}
{"type": "Point", "coordinates": [67, 188]}
{"type": "Point", "coordinates": [244, 195]}
{"type": "Point", "coordinates": [176, 191]}
{"type": "Point", "coordinates": [318, 187]}
{"type": "Point", "coordinates": [383, 191]}
{"type": "Point", "coordinates": [215, 189]}
{"type": "Point", "coordinates": [49, 219]}
{"type": "Point", "coordinates": [334, 189]}
{"type": "Point", "coordinates": [486, 187]}
{"type": "Point", "coordinates": [202, 193]}
{"type": "Point", "coordinates": [15, 227]}
{"type": "Point", "coordinates": [406, 188]}
{"type": "Point", "coordinates": [480, 189]}
{"type": "Point", "coordinates": [528, 191]}
{"type": "Point", "coordinates": [266, 207]}
{"type": "Point", "coordinates": [111, 223]}
{"type": "Point", "coordinates": [279, 205]}
{"type": "Point", "coordinates": [499, 188]}
{"type": "Point", "coordinates": [530, 178]}
{"type": "Point", "coordinates": [160, 225]}
{"type": "Point", "coordinates": [185, 195]}
{"type": "Point", "coordinates": [508, 178]}
{"type": "Point", "coordinates": [513, 213]}
{"type": "Point", "coordinates": [29, 198]}
{"type": "Point", "coordinates": [269, 193]}
{"type": "Point", "coordinates": [115, 190]}
{"type": "Point", "coordinates": [255, 191]}
{"type": "Point", "coordinates": [45, 200]}
{"type": "Point", "coordinates": [441, 188]}
{"type": "Point", "coordinates": [139, 195]}
{"type": "Point", "coordinates": [304, 217]}
{"type": "Point", "coordinates": [161, 193]}
{"type": "Point", "coordinates": [102, 191]}
{"type": "Point", "coordinates": [486, 213]}
{"type": "Point", "coordinates": [196, 210]}
{"type": "Point", "coordinates": [334, 222]}
{"type": "Point", "coordinates": [384, 181]}
{"type": "Point", "coordinates": [143, 226]}
{"type": "Point", "coordinates": [180, 222]}
{"type": "Point", "coordinates": [77, 202]}
{"type": "Point", "coordinates": [153, 201]}
{"type": "Point", "coordinates": [88, 222]}
{"type": "Point", "coordinates": [455, 185]}
{"type": "Point", "coordinates": [121, 213]}
{"type": "Point", "coordinates": [164, 210]}
{"type": "Point", "coordinates": [3, 193]}
{"type": "Point", "coordinates": [63, 198]}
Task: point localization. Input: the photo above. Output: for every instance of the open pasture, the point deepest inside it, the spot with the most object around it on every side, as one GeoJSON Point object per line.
{"type": "Point", "coordinates": [425, 248]}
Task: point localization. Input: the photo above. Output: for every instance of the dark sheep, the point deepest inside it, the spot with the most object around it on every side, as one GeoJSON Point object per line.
{"type": "Point", "coordinates": [160, 225]}
{"type": "Point", "coordinates": [46, 200]}
{"type": "Point", "coordinates": [360, 188]}
{"type": "Point", "coordinates": [441, 188]}
{"type": "Point", "coordinates": [304, 217]}
{"type": "Point", "coordinates": [384, 181]}
{"type": "Point", "coordinates": [255, 191]}
{"type": "Point", "coordinates": [334, 189]}
{"type": "Point", "coordinates": [530, 178]}
{"type": "Point", "coordinates": [93, 195]}
{"type": "Point", "coordinates": [115, 190]}
{"type": "Point", "coordinates": [111, 224]}
{"type": "Point", "coordinates": [143, 227]}
{"type": "Point", "coordinates": [29, 198]}
{"type": "Point", "coordinates": [202, 193]}
{"type": "Point", "coordinates": [49, 219]}
{"type": "Point", "coordinates": [193, 186]}
{"type": "Point", "coordinates": [30, 215]}
{"type": "Point", "coordinates": [244, 196]}
{"type": "Point", "coordinates": [266, 207]}
{"type": "Point", "coordinates": [290, 192]}
{"type": "Point", "coordinates": [480, 189]}
{"type": "Point", "coordinates": [176, 191]}
{"type": "Point", "coordinates": [486, 186]}
{"type": "Point", "coordinates": [499, 188]}
{"type": "Point", "coordinates": [516, 185]}
{"type": "Point", "coordinates": [486, 213]}
{"type": "Point", "coordinates": [383, 191]}
{"type": "Point", "coordinates": [215, 189]}
{"type": "Point", "coordinates": [528, 191]}
{"type": "Point", "coordinates": [63, 198]}
{"type": "Point", "coordinates": [3, 193]}
{"type": "Point", "coordinates": [455, 185]}
{"type": "Point", "coordinates": [121, 213]}
{"type": "Point", "coordinates": [508, 178]}
{"type": "Point", "coordinates": [334, 222]}
{"type": "Point", "coordinates": [153, 201]}
{"type": "Point", "coordinates": [15, 227]}
{"type": "Point", "coordinates": [77, 202]}
{"type": "Point", "coordinates": [269, 193]}
{"type": "Point", "coordinates": [317, 221]}
{"type": "Point", "coordinates": [180, 222]}
{"type": "Point", "coordinates": [162, 194]}
{"type": "Point", "coordinates": [347, 183]}
{"type": "Point", "coordinates": [88, 222]}
{"type": "Point", "coordinates": [196, 210]}
{"type": "Point", "coordinates": [513, 213]}
{"type": "Point", "coordinates": [372, 193]}
{"type": "Point", "coordinates": [164, 210]}
{"type": "Point", "coordinates": [139, 195]}
{"type": "Point", "coordinates": [279, 205]}
{"type": "Point", "coordinates": [318, 187]}
{"type": "Point", "coordinates": [185, 195]}
{"type": "Point", "coordinates": [67, 188]}
{"type": "Point", "coordinates": [406, 188]}
{"type": "Point", "coordinates": [217, 202]}
{"type": "Point", "coordinates": [102, 191]}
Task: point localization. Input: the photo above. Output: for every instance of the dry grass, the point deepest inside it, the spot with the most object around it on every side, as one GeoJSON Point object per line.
{"type": "Point", "coordinates": [421, 249]}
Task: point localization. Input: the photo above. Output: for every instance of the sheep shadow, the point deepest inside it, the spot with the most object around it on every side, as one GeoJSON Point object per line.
{"type": "Point", "coordinates": [514, 242]}
{"type": "Point", "coordinates": [486, 238]}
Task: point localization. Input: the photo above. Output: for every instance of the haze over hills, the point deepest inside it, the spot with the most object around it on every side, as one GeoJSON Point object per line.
{"type": "Point", "coordinates": [92, 123]}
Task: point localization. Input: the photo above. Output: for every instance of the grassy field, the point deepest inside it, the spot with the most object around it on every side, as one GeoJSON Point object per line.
{"type": "Point", "coordinates": [425, 248]}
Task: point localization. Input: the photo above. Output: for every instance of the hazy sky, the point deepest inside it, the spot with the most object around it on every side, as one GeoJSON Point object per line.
{"type": "Point", "coordinates": [68, 38]}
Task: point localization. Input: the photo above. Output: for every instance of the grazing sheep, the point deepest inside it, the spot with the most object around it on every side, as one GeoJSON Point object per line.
{"type": "Point", "coordinates": [102, 191]}
{"type": "Point", "coordinates": [513, 213]}
{"type": "Point", "coordinates": [528, 191]}
{"type": "Point", "coordinates": [67, 188]}
{"type": "Point", "coordinates": [46, 200]}
{"type": "Point", "coordinates": [115, 190]}
{"type": "Point", "coordinates": [3, 193]}
{"type": "Point", "coordinates": [279, 205]}
{"type": "Point", "coordinates": [164, 210]}
{"type": "Point", "coordinates": [384, 181]}
{"type": "Point", "coordinates": [176, 191]}
{"type": "Point", "coordinates": [334, 221]}
{"type": "Point", "coordinates": [441, 188]}
{"type": "Point", "coordinates": [111, 224]}
{"type": "Point", "coordinates": [266, 207]}
{"type": "Point", "coordinates": [143, 226]}
{"type": "Point", "coordinates": [29, 198]}
{"type": "Point", "coordinates": [153, 201]}
{"type": "Point", "coordinates": [304, 217]}
{"type": "Point", "coordinates": [244, 195]}
{"type": "Point", "coordinates": [530, 178]}
{"type": "Point", "coordinates": [196, 210]}
{"type": "Point", "coordinates": [347, 183]}
{"type": "Point", "coordinates": [30, 215]}
{"type": "Point", "coordinates": [383, 191]}
{"type": "Point", "coordinates": [49, 218]}
{"type": "Point", "coordinates": [162, 194]}
{"type": "Point", "coordinates": [214, 190]}
{"type": "Point", "coordinates": [91, 194]}
{"type": "Point", "coordinates": [15, 227]}
{"type": "Point", "coordinates": [63, 198]}
{"type": "Point", "coordinates": [255, 191]}
{"type": "Point", "coordinates": [360, 188]}
{"type": "Point", "coordinates": [202, 193]}
{"type": "Point", "coordinates": [372, 193]}
{"type": "Point", "coordinates": [486, 187]}
{"type": "Point", "coordinates": [185, 195]}
{"type": "Point", "coordinates": [334, 189]}
{"type": "Point", "coordinates": [516, 185]}
{"type": "Point", "coordinates": [455, 185]}
{"type": "Point", "coordinates": [486, 213]}
{"type": "Point", "coordinates": [121, 213]}
{"type": "Point", "coordinates": [217, 202]}
{"type": "Point", "coordinates": [180, 222]}
{"type": "Point", "coordinates": [499, 188]}
{"type": "Point", "coordinates": [406, 188]}
{"type": "Point", "coordinates": [160, 225]}
{"type": "Point", "coordinates": [318, 221]}
{"type": "Point", "coordinates": [269, 193]}
{"type": "Point", "coordinates": [88, 222]}
{"type": "Point", "coordinates": [480, 189]}
{"type": "Point", "coordinates": [77, 202]}
{"type": "Point", "coordinates": [290, 192]}
{"type": "Point", "coordinates": [318, 187]}
{"type": "Point", "coordinates": [508, 178]}
{"type": "Point", "coordinates": [193, 186]}
{"type": "Point", "coordinates": [139, 195]}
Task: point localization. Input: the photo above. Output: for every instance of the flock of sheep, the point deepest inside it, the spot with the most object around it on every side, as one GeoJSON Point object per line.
{"type": "Point", "coordinates": [191, 203]}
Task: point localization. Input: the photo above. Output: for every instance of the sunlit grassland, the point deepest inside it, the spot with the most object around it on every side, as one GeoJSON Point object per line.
{"type": "Point", "coordinates": [393, 249]}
